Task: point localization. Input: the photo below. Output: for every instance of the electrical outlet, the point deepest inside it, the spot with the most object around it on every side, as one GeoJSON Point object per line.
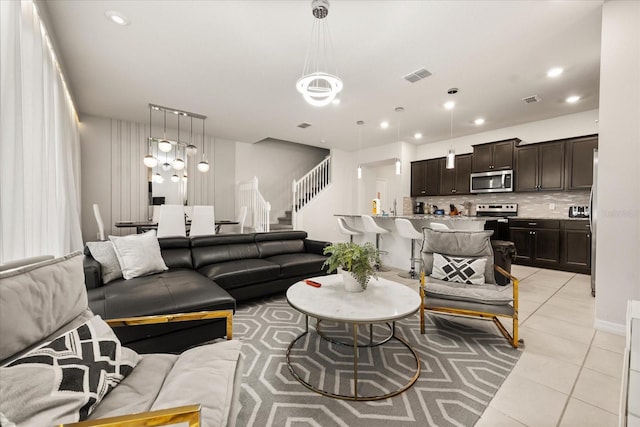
{"type": "Point", "coordinates": [552, 206]}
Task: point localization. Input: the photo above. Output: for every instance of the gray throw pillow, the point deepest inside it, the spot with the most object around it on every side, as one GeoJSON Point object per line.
{"type": "Point", "coordinates": [139, 254]}
{"type": "Point", "coordinates": [105, 254]}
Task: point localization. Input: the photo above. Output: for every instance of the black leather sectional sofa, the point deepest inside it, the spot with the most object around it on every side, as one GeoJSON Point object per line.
{"type": "Point", "coordinates": [205, 273]}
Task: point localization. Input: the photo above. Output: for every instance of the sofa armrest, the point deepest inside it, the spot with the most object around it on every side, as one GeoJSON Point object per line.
{"type": "Point", "coordinates": [315, 246]}
{"type": "Point", "coordinates": [92, 272]}
{"type": "Point", "coordinates": [178, 317]}
{"type": "Point", "coordinates": [181, 414]}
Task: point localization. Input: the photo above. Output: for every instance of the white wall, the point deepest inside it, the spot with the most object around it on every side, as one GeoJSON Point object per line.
{"type": "Point", "coordinates": [618, 229]}
{"type": "Point", "coordinates": [276, 164]}
{"type": "Point", "coordinates": [317, 218]}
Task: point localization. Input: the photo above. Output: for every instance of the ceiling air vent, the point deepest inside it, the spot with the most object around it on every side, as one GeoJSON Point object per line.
{"type": "Point", "coordinates": [417, 75]}
{"type": "Point", "coordinates": [304, 125]}
{"type": "Point", "coordinates": [531, 99]}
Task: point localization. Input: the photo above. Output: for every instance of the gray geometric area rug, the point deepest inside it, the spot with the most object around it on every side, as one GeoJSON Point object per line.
{"type": "Point", "coordinates": [463, 364]}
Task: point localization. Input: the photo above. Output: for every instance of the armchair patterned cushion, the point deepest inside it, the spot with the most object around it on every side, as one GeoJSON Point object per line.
{"type": "Point", "coordinates": [61, 364]}
{"type": "Point", "coordinates": [488, 300]}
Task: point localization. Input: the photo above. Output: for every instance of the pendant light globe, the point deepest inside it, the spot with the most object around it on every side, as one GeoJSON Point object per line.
{"type": "Point", "coordinates": [164, 146]}
{"type": "Point", "coordinates": [175, 178]}
{"type": "Point", "coordinates": [203, 166]}
{"type": "Point", "coordinates": [166, 166]}
{"type": "Point", "coordinates": [178, 164]}
{"type": "Point", "coordinates": [192, 150]}
{"type": "Point", "coordinates": [150, 161]}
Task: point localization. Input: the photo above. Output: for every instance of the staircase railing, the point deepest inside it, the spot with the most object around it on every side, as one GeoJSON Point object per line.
{"type": "Point", "coordinates": [258, 209]}
{"type": "Point", "coordinates": [309, 186]}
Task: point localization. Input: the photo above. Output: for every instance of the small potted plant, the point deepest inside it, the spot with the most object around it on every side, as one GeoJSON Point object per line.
{"type": "Point", "coordinates": [355, 263]}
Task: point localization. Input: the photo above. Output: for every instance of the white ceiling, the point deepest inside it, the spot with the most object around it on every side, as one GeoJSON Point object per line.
{"type": "Point", "coordinates": [237, 62]}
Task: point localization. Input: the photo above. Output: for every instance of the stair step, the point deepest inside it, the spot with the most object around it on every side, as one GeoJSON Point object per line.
{"type": "Point", "coordinates": [284, 220]}
{"type": "Point", "coordinates": [274, 227]}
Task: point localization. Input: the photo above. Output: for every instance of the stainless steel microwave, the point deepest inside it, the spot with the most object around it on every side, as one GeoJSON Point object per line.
{"type": "Point", "coordinates": [492, 182]}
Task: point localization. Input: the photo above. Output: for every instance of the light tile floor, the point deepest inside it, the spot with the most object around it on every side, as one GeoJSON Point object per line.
{"type": "Point", "coordinates": [569, 373]}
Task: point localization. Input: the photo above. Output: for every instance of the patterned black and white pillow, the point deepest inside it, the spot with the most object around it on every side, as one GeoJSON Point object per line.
{"type": "Point", "coordinates": [64, 380]}
{"type": "Point", "coordinates": [459, 269]}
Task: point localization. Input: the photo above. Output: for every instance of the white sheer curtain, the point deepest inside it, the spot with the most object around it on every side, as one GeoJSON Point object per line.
{"type": "Point", "coordinates": [39, 142]}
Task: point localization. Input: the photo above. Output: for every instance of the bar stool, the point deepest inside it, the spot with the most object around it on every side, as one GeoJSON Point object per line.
{"type": "Point", "coordinates": [438, 226]}
{"type": "Point", "coordinates": [408, 231]}
{"type": "Point", "coordinates": [370, 226]}
{"type": "Point", "coordinates": [345, 229]}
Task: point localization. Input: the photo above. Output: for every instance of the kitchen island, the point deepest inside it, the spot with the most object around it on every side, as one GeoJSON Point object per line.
{"type": "Point", "coordinates": [398, 248]}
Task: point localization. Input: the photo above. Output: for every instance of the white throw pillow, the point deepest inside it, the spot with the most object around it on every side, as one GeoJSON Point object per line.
{"type": "Point", "coordinates": [105, 254]}
{"type": "Point", "coordinates": [138, 254]}
{"type": "Point", "coordinates": [459, 269]}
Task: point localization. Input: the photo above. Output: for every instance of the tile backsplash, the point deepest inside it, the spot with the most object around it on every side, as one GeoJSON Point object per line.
{"type": "Point", "coordinates": [530, 205]}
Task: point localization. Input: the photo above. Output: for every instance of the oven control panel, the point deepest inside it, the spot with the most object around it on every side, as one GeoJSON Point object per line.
{"type": "Point", "coordinates": [497, 209]}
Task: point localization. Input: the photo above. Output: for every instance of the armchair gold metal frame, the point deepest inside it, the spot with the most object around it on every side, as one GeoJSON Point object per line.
{"type": "Point", "coordinates": [181, 414]}
{"type": "Point", "coordinates": [513, 339]}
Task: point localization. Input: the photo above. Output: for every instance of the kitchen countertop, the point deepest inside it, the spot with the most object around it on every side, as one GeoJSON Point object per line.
{"type": "Point", "coordinates": [427, 217]}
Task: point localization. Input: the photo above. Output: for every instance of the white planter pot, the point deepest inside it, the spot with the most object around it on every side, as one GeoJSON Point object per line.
{"type": "Point", "coordinates": [350, 282]}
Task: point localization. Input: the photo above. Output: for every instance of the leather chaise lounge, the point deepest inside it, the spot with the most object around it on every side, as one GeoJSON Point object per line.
{"type": "Point", "coordinates": [205, 273]}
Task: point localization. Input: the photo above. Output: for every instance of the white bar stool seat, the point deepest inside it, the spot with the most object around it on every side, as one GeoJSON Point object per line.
{"type": "Point", "coordinates": [370, 226]}
{"type": "Point", "coordinates": [347, 230]}
{"type": "Point", "coordinates": [408, 231]}
{"type": "Point", "coordinates": [438, 226]}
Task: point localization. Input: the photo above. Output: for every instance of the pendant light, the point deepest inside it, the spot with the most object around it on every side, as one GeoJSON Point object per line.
{"type": "Point", "coordinates": [150, 160]}
{"type": "Point", "coordinates": [175, 178]}
{"type": "Point", "coordinates": [359, 123]}
{"type": "Point", "coordinates": [203, 166]}
{"type": "Point", "coordinates": [178, 163]}
{"type": "Point", "coordinates": [451, 155]}
{"type": "Point", "coordinates": [317, 85]}
{"type": "Point", "coordinates": [192, 150]}
{"type": "Point", "coordinates": [398, 163]}
{"type": "Point", "coordinates": [163, 144]}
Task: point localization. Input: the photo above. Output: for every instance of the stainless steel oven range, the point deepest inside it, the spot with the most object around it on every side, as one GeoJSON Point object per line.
{"type": "Point", "coordinates": [500, 211]}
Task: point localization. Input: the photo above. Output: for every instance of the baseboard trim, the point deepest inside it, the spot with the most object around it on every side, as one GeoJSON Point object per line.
{"type": "Point", "coordinates": [610, 327]}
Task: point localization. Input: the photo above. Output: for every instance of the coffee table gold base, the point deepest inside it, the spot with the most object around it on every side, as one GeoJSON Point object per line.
{"type": "Point", "coordinates": [355, 395]}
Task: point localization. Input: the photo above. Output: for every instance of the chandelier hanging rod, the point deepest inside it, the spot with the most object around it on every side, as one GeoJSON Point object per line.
{"type": "Point", "coordinates": [175, 111]}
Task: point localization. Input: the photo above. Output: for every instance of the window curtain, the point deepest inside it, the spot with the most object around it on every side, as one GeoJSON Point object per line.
{"type": "Point", "coordinates": [39, 142]}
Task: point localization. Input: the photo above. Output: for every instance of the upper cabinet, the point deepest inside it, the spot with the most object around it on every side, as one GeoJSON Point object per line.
{"type": "Point", "coordinates": [493, 156]}
{"type": "Point", "coordinates": [456, 180]}
{"type": "Point", "coordinates": [579, 162]}
{"type": "Point", "coordinates": [425, 178]}
{"type": "Point", "coordinates": [540, 167]}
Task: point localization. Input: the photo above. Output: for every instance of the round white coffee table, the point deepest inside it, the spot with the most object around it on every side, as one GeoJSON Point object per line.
{"type": "Point", "coordinates": [383, 301]}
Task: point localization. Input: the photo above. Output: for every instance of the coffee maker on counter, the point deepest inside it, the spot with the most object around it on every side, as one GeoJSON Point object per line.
{"type": "Point", "coordinates": [418, 208]}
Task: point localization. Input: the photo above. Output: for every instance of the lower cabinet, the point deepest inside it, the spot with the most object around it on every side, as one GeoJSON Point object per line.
{"type": "Point", "coordinates": [537, 242]}
{"type": "Point", "coordinates": [576, 246]}
{"type": "Point", "coordinates": [555, 244]}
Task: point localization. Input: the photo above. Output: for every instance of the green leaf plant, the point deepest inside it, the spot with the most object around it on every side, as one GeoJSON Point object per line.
{"type": "Point", "coordinates": [359, 260]}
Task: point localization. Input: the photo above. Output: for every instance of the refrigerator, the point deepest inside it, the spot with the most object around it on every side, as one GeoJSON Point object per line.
{"type": "Point", "coordinates": [593, 220]}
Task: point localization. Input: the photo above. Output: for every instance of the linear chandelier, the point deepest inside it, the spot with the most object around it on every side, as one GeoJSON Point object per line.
{"type": "Point", "coordinates": [317, 85]}
{"type": "Point", "coordinates": [181, 148]}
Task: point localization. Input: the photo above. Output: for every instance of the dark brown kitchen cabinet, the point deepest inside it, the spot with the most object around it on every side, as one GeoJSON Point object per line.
{"type": "Point", "coordinates": [493, 155]}
{"type": "Point", "coordinates": [456, 180]}
{"type": "Point", "coordinates": [425, 178]}
{"type": "Point", "coordinates": [540, 167]}
{"type": "Point", "coordinates": [579, 162]}
{"type": "Point", "coordinates": [537, 242]}
{"type": "Point", "coordinates": [576, 246]}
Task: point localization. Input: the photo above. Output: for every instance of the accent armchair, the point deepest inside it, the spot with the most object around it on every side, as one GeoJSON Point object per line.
{"type": "Point", "coordinates": [60, 363]}
{"type": "Point", "coordinates": [458, 278]}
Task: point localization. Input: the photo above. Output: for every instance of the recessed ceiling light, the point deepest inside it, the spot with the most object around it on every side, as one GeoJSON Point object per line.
{"type": "Point", "coordinates": [554, 72]}
{"type": "Point", "coordinates": [384, 124]}
{"type": "Point", "coordinates": [117, 17]}
{"type": "Point", "coordinates": [417, 135]}
{"type": "Point", "coordinates": [449, 105]}
{"type": "Point", "coordinates": [572, 99]}
{"type": "Point", "coordinates": [479, 121]}
{"type": "Point", "coordinates": [336, 101]}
